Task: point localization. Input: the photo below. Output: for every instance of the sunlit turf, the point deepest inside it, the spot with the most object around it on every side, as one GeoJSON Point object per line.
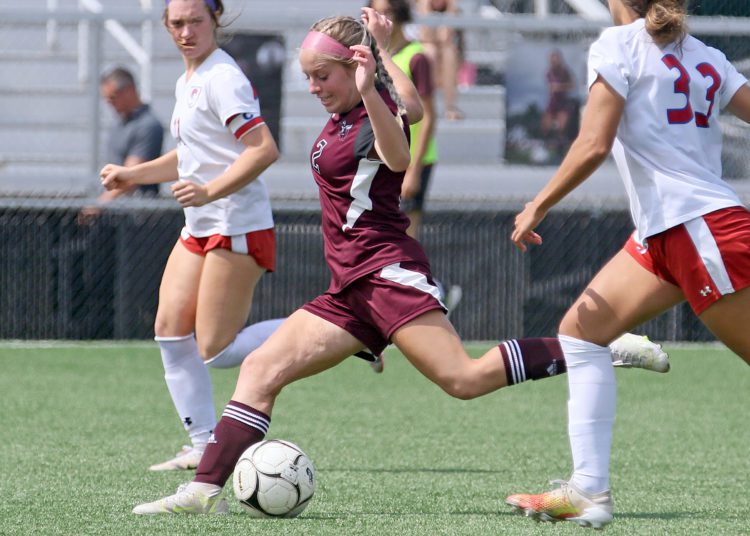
{"type": "Point", "coordinates": [394, 455]}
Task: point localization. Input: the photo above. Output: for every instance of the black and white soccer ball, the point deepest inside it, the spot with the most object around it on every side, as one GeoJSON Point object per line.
{"type": "Point", "coordinates": [274, 478]}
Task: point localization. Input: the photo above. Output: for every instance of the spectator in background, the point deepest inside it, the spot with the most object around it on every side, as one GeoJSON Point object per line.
{"type": "Point", "coordinates": [411, 58]}
{"type": "Point", "coordinates": [560, 104]}
{"type": "Point", "coordinates": [137, 136]}
{"type": "Point", "coordinates": [441, 45]}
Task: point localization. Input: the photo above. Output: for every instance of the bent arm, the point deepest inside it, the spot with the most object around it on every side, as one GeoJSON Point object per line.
{"type": "Point", "coordinates": [594, 142]}
{"type": "Point", "coordinates": [260, 152]}
{"type": "Point", "coordinates": [590, 148]}
{"type": "Point", "coordinates": [404, 87]}
{"type": "Point", "coordinates": [162, 169]}
{"type": "Point", "coordinates": [391, 143]}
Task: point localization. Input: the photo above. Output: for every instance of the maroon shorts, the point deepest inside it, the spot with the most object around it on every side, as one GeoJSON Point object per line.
{"type": "Point", "coordinates": [260, 245]}
{"type": "Point", "coordinates": [707, 257]}
{"type": "Point", "coordinates": [374, 306]}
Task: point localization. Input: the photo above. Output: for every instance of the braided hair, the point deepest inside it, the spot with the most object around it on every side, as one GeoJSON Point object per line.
{"type": "Point", "coordinates": [349, 32]}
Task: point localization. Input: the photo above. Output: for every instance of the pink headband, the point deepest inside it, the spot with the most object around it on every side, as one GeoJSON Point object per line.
{"type": "Point", "coordinates": [325, 44]}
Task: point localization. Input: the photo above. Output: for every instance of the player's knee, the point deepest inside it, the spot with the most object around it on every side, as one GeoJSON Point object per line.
{"type": "Point", "coordinates": [208, 349]}
{"type": "Point", "coordinates": [262, 374]}
{"type": "Point", "coordinates": [459, 387]}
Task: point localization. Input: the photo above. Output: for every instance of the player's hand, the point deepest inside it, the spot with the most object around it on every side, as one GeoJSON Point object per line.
{"type": "Point", "coordinates": [190, 194]}
{"type": "Point", "coordinates": [411, 184]}
{"type": "Point", "coordinates": [378, 25]}
{"type": "Point", "coordinates": [526, 220]}
{"type": "Point", "coordinates": [365, 73]}
{"type": "Point", "coordinates": [115, 177]}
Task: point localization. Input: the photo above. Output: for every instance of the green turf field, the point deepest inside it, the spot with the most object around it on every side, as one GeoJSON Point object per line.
{"type": "Point", "coordinates": [394, 455]}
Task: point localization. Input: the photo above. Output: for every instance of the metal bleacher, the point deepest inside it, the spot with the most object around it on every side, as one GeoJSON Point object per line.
{"type": "Point", "coordinates": [46, 124]}
{"type": "Point", "coordinates": [52, 119]}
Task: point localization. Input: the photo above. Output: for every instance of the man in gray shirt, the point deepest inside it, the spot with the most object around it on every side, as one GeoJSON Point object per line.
{"type": "Point", "coordinates": [137, 136]}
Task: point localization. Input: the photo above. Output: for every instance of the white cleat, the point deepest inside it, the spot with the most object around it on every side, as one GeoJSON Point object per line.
{"type": "Point", "coordinates": [187, 458]}
{"type": "Point", "coordinates": [378, 364]}
{"type": "Point", "coordinates": [566, 503]}
{"type": "Point", "coordinates": [452, 298]}
{"type": "Point", "coordinates": [636, 351]}
{"type": "Point", "coordinates": [189, 499]}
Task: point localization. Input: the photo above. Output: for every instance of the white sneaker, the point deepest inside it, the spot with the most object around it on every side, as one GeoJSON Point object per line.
{"type": "Point", "coordinates": [185, 501]}
{"type": "Point", "coordinates": [188, 458]}
{"type": "Point", "coordinates": [378, 364]}
{"type": "Point", "coordinates": [376, 361]}
{"type": "Point", "coordinates": [636, 351]}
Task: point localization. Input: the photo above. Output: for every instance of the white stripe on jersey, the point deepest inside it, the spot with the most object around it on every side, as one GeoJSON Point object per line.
{"type": "Point", "coordinates": [709, 252]}
{"type": "Point", "coordinates": [409, 278]}
{"type": "Point", "coordinates": [361, 191]}
{"type": "Point", "coordinates": [239, 244]}
{"type": "Point", "coordinates": [246, 417]}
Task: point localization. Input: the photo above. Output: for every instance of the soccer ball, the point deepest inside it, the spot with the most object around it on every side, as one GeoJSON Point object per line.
{"type": "Point", "coordinates": [274, 479]}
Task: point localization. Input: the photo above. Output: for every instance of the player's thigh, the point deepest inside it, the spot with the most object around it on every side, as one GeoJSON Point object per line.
{"type": "Point", "coordinates": [225, 296]}
{"type": "Point", "coordinates": [621, 296]}
{"type": "Point", "coordinates": [728, 319]}
{"type": "Point", "coordinates": [304, 345]}
{"type": "Point", "coordinates": [178, 293]}
{"type": "Point", "coordinates": [431, 344]}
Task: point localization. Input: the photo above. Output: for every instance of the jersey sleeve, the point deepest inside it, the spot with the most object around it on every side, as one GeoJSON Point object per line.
{"type": "Point", "coordinates": [733, 81]}
{"type": "Point", "coordinates": [607, 59]}
{"type": "Point", "coordinates": [234, 100]}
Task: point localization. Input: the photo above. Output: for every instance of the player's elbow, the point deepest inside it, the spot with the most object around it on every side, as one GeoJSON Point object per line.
{"type": "Point", "coordinates": [399, 162]}
{"type": "Point", "coordinates": [596, 148]}
{"type": "Point", "coordinates": [272, 153]}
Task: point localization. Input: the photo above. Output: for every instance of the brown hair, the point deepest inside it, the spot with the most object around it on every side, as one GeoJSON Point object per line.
{"type": "Point", "coordinates": [349, 32]}
{"type": "Point", "coordinates": [215, 8]}
{"type": "Point", "coordinates": [665, 19]}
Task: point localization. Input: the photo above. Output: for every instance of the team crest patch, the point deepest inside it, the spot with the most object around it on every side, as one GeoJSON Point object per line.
{"type": "Point", "coordinates": [193, 96]}
{"type": "Point", "coordinates": [344, 129]}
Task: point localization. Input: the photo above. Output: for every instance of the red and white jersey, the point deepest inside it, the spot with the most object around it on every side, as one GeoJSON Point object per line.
{"type": "Point", "coordinates": [668, 146]}
{"type": "Point", "coordinates": [214, 109]}
{"type": "Point", "coordinates": [363, 226]}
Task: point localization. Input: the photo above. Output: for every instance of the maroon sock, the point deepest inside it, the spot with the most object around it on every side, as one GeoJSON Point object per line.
{"type": "Point", "coordinates": [532, 359]}
{"type": "Point", "coordinates": [240, 426]}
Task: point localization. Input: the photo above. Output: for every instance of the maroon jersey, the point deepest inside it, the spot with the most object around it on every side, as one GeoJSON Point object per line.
{"type": "Point", "coordinates": [363, 226]}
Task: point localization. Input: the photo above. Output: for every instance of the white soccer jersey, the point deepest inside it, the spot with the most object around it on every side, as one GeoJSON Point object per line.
{"type": "Point", "coordinates": [208, 143]}
{"type": "Point", "coordinates": [668, 146]}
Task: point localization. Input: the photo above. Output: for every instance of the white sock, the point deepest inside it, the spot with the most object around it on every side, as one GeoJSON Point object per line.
{"type": "Point", "coordinates": [591, 411]}
{"type": "Point", "coordinates": [189, 384]}
{"type": "Point", "coordinates": [246, 341]}
{"type": "Point", "coordinates": [210, 490]}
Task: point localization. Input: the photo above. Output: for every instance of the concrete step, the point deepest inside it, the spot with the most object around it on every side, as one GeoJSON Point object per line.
{"type": "Point", "coordinates": [31, 139]}
{"type": "Point", "coordinates": [475, 140]}
{"type": "Point", "coordinates": [486, 102]}
{"type": "Point", "coordinates": [65, 105]}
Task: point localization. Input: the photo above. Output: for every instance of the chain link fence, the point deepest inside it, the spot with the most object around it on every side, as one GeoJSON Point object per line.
{"type": "Point", "coordinates": [61, 278]}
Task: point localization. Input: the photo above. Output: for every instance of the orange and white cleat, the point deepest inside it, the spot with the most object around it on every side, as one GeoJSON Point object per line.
{"type": "Point", "coordinates": [566, 503]}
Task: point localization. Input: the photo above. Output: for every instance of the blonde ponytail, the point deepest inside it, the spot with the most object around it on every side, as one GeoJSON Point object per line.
{"type": "Point", "coordinates": [666, 20]}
